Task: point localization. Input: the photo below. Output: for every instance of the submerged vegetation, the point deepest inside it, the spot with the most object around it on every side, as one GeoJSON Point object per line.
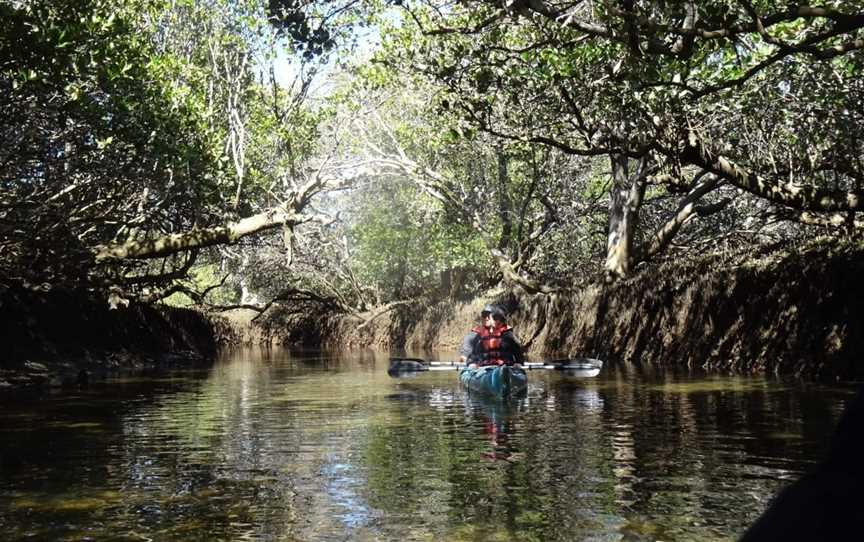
{"type": "Point", "coordinates": [356, 158]}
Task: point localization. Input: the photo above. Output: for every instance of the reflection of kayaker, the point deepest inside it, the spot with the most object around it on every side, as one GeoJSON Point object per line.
{"type": "Point", "coordinates": [500, 442]}
{"type": "Point", "coordinates": [499, 425]}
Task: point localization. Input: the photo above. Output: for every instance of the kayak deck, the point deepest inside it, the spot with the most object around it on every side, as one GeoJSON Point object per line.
{"type": "Point", "coordinates": [497, 380]}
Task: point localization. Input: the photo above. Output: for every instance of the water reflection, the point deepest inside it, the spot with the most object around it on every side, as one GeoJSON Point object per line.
{"type": "Point", "coordinates": [498, 418]}
{"type": "Point", "coordinates": [271, 445]}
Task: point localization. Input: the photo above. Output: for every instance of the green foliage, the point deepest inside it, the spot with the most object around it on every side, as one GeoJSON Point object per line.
{"type": "Point", "coordinates": [129, 120]}
{"type": "Point", "coordinates": [98, 145]}
{"type": "Point", "coordinates": [402, 244]}
{"type": "Point", "coordinates": [633, 79]}
{"type": "Point", "coordinates": [209, 278]}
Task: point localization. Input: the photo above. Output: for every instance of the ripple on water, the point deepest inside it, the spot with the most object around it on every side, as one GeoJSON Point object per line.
{"type": "Point", "coordinates": [330, 449]}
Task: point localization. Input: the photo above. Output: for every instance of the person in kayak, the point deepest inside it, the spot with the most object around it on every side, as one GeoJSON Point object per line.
{"type": "Point", "coordinates": [492, 342]}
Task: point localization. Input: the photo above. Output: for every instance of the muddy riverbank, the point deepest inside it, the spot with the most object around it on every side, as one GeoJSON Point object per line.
{"type": "Point", "coordinates": [777, 310]}
{"type": "Point", "coordinates": [70, 338]}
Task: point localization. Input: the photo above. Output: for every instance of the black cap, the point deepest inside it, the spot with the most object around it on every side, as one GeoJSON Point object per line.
{"type": "Point", "coordinates": [496, 312]}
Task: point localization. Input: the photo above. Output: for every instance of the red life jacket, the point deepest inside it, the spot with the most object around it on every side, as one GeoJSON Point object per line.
{"type": "Point", "coordinates": [490, 348]}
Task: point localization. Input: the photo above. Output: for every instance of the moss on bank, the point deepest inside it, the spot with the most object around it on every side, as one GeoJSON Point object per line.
{"type": "Point", "coordinates": [776, 310]}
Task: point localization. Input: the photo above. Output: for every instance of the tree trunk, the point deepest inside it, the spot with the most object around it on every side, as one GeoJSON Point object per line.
{"type": "Point", "coordinates": [624, 203]}
{"type": "Point", "coordinates": [505, 206]}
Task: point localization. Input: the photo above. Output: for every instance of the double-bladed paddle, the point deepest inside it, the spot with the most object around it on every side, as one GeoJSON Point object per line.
{"type": "Point", "coordinates": [585, 367]}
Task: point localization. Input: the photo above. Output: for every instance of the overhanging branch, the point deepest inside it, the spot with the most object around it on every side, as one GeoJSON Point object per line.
{"type": "Point", "coordinates": [798, 196]}
{"type": "Point", "coordinates": [196, 239]}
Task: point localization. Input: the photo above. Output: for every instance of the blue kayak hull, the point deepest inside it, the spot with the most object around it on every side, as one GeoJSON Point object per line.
{"type": "Point", "coordinates": [497, 380]}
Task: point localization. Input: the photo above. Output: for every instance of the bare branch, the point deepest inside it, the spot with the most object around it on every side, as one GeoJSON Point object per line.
{"type": "Point", "coordinates": [687, 209]}
{"type": "Point", "coordinates": [801, 197]}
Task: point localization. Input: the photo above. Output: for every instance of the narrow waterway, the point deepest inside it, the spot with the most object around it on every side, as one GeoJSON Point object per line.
{"type": "Point", "coordinates": [269, 445]}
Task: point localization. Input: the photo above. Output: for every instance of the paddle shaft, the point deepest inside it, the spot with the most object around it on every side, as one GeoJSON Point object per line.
{"type": "Point", "coordinates": [531, 366]}
{"type": "Point", "coordinates": [584, 367]}
{"type": "Point", "coordinates": [526, 365]}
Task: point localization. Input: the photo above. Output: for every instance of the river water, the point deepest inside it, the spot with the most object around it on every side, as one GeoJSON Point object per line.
{"type": "Point", "coordinates": [269, 445]}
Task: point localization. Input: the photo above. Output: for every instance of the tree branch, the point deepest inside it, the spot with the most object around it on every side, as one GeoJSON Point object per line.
{"type": "Point", "coordinates": [687, 209]}
{"type": "Point", "coordinates": [798, 196]}
{"type": "Point", "coordinates": [511, 276]}
{"type": "Point", "coordinates": [196, 239]}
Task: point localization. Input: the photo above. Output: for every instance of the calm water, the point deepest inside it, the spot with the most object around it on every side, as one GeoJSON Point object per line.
{"type": "Point", "coordinates": [270, 446]}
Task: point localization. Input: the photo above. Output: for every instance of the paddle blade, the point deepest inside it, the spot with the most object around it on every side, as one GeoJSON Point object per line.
{"type": "Point", "coordinates": [579, 373]}
{"type": "Point", "coordinates": [400, 367]}
{"type": "Point", "coordinates": [581, 367]}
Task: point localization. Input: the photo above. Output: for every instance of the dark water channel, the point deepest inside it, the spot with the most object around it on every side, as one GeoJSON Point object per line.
{"type": "Point", "coordinates": [274, 446]}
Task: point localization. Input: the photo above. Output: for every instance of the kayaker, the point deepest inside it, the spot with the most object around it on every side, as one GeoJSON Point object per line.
{"type": "Point", "coordinates": [492, 342]}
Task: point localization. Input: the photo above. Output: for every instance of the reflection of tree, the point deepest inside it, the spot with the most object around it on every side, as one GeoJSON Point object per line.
{"type": "Point", "coordinates": [280, 447]}
{"type": "Point", "coordinates": [683, 448]}
{"type": "Point", "coordinates": [669, 458]}
{"type": "Point", "coordinates": [529, 493]}
{"type": "Point", "coordinates": [402, 450]}
{"type": "Point", "coordinates": [568, 476]}
{"type": "Point", "coordinates": [262, 449]}
{"type": "Point", "coordinates": [203, 459]}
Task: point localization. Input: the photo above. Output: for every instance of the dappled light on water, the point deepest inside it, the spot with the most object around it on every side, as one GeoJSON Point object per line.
{"type": "Point", "coordinates": [276, 446]}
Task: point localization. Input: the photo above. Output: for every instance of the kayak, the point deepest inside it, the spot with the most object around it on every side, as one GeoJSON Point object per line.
{"type": "Point", "coordinates": [497, 380]}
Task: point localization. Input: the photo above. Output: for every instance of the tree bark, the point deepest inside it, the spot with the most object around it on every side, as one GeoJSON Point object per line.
{"type": "Point", "coordinates": [179, 242]}
{"type": "Point", "coordinates": [687, 209]}
{"type": "Point", "coordinates": [512, 277]}
{"type": "Point", "coordinates": [505, 207]}
{"type": "Point", "coordinates": [624, 203]}
{"type": "Point", "coordinates": [798, 196]}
